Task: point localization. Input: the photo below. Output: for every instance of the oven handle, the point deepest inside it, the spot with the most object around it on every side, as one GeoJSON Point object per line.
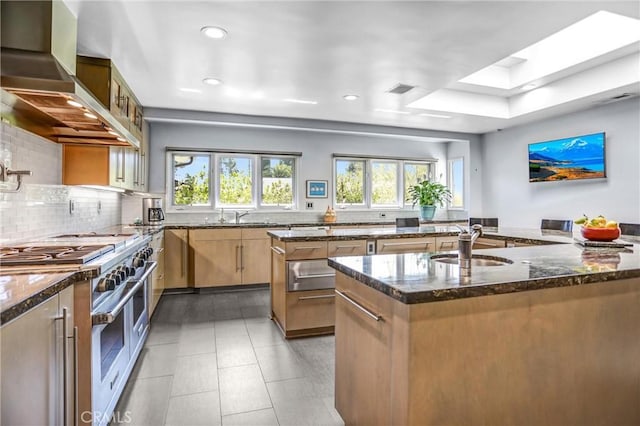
{"type": "Point", "coordinates": [108, 317]}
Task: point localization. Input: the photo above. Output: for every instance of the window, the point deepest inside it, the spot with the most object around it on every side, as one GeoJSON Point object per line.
{"type": "Point", "coordinates": [191, 180]}
{"type": "Point", "coordinates": [456, 183]}
{"type": "Point", "coordinates": [203, 181]}
{"type": "Point", "coordinates": [235, 181]}
{"type": "Point", "coordinates": [277, 181]}
{"type": "Point", "coordinates": [349, 182]}
{"type": "Point", "coordinates": [384, 183]}
{"type": "Point", "coordinates": [414, 173]}
{"type": "Point", "coordinates": [377, 183]}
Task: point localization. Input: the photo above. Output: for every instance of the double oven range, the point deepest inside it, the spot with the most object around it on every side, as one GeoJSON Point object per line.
{"type": "Point", "coordinates": [111, 310]}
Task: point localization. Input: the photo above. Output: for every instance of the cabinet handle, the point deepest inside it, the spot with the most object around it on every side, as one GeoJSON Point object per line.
{"type": "Point", "coordinates": [482, 243]}
{"type": "Point", "coordinates": [302, 277]}
{"type": "Point", "coordinates": [75, 375]}
{"type": "Point", "coordinates": [65, 367]}
{"type": "Point", "coordinates": [323, 296]}
{"type": "Point", "coordinates": [278, 250]}
{"type": "Point", "coordinates": [237, 263]}
{"type": "Point", "coordinates": [426, 244]}
{"type": "Point", "coordinates": [307, 248]}
{"type": "Point", "coordinates": [242, 258]}
{"type": "Point", "coordinates": [361, 308]}
{"type": "Point", "coordinates": [347, 247]}
{"type": "Point", "coordinates": [183, 259]}
{"type": "Point", "coordinates": [446, 244]}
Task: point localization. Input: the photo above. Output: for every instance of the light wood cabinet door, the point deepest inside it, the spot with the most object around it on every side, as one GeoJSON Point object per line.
{"type": "Point", "coordinates": [217, 262]}
{"type": "Point", "coordinates": [308, 310]}
{"type": "Point", "coordinates": [405, 245]}
{"type": "Point", "coordinates": [360, 380]}
{"type": "Point", "coordinates": [256, 261]}
{"type": "Point", "coordinates": [32, 360]}
{"type": "Point", "coordinates": [346, 248]}
{"type": "Point", "coordinates": [176, 258]}
{"type": "Point", "coordinates": [278, 282]}
{"type": "Point", "coordinates": [446, 243]}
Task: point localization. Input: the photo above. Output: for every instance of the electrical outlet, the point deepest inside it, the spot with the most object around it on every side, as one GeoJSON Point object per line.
{"type": "Point", "coordinates": [383, 215]}
{"type": "Point", "coordinates": [309, 205]}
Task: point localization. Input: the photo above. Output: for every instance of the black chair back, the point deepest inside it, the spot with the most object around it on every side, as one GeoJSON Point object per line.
{"type": "Point", "coordinates": [557, 225]}
{"type": "Point", "coordinates": [491, 222]}
{"type": "Point", "coordinates": [407, 222]}
{"type": "Point", "coordinates": [630, 229]}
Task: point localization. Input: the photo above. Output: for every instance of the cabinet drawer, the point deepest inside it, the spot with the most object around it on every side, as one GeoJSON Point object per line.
{"type": "Point", "coordinates": [487, 243]}
{"type": "Point", "coordinates": [306, 250]}
{"type": "Point", "coordinates": [214, 234]}
{"type": "Point", "coordinates": [346, 248]}
{"type": "Point", "coordinates": [405, 245]}
{"type": "Point", "coordinates": [447, 243]}
{"type": "Point", "coordinates": [310, 309]}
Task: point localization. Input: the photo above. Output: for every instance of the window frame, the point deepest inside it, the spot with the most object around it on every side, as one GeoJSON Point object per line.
{"type": "Point", "coordinates": [450, 182]}
{"type": "Point", "coordinates": [214, 181]}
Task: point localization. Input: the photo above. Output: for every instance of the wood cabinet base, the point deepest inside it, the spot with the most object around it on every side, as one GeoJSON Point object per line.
{"type": "Point", "coordinates": [560, 356]}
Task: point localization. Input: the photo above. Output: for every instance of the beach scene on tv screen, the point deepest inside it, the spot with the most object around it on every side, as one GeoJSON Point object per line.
{"type": "Point", "coordinates": [580, 157]}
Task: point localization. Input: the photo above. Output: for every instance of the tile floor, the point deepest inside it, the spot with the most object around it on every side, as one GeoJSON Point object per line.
{"type": "Point", "coordinates": [217, 359]}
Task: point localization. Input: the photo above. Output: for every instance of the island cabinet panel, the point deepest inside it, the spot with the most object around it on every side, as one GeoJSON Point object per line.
{"type": "Point", "coordinates": [488, 243]}
{"type": "Point", "coordinates": [405, 245]}
{"type": "Point", "coordinates": [176, 258]}
{"type": "Point", "coordinates": [306, 250]}
{"type": "Point", "coordinates": [446, 243]}
{"type": "Point", "coordinates": [310, 312]}
{"type": "Point", "coordinates": [346, 248]}
{"type": "Point", "coordinates": [363, 354]}
{"type": "Point", "coordinates": [278, 283]}
{"type": "Point", "coordinates": [558, 356]}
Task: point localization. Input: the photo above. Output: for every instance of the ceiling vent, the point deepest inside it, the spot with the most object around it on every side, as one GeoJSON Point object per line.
{"type": "Point", "coordinates": [400, 89]}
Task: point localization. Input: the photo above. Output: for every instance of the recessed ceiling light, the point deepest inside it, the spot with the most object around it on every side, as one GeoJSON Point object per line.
{"type": "Point", "coordinates": [300, 101]}
{"type": "Point", "coordinates": [426, 114]}
{"type": "Point", "coordinates": [88, 114]}
{"type": "Point", "coordinates": [212, 81]}
{"type": "Point", "coordinates": [216, 33]}
{"type": "Point", "coordinates": [190, 90]}
{"type": "Point", "coordinates": [529, 86]}
{"type": "Point", "coordinates": [350, 97]}
{"type": "Point", "coordinates": [393, 111]}
{"type": "Point", "coordinates": [74, 103]}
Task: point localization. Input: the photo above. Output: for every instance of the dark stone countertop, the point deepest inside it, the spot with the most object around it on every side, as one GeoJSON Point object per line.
{"type": "Point", "coordinates": [417, 278]}
{"type": "Point", "coordinates": [287, 225]}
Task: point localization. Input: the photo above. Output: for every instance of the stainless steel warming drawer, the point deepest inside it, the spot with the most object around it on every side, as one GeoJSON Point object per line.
{"type": "Point", "coordinates": [305, 275]}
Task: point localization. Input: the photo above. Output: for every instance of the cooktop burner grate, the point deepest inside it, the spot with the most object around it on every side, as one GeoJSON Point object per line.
{"type": "Point", "coordinates": [34, 255]}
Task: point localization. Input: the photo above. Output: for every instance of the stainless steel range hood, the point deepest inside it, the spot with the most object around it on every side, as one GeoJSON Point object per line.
{"type": "Point", "coordinates": [39, 89]}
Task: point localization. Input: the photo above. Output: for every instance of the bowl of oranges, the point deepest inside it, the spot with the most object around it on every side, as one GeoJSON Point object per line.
{"type": "Point", "coordinates": [598, 228]}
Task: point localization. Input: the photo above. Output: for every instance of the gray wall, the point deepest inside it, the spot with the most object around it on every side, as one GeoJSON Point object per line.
{"type": "Point", "coordinates": [508, 194]}
{"type": "Point", "coordinates": [201, 130]}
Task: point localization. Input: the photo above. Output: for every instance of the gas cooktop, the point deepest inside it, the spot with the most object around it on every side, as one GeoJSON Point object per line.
{"type": "Point", "coordinates": [52, 254]}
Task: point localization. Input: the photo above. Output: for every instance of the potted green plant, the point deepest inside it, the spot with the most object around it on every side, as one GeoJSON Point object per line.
{"type": "Point", "coordinates": [427, 194]}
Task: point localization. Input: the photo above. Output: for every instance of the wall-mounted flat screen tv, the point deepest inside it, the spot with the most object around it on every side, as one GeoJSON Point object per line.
{"type": "Point", "coordinates": [579, 157]}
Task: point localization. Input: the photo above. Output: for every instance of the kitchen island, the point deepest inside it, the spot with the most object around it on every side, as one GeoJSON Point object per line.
{"type": "Point", "coordinates": [551, 338]}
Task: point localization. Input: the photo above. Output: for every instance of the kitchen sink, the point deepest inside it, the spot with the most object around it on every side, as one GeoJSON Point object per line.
{"type": "Point", "coordinates": [476, 259]}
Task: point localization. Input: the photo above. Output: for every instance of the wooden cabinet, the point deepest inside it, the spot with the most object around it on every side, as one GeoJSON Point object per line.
{"type": "Point", "coordinates": [176, 258]}
{"type": "Point", "coordinates": [157, 276]}
{"type": "Point", "coordinates": [363, 353]}
{"type": "Point", "coordinates": [32, 356]}
{"type": "Point", "coordinates": [236, 256]}
{"type": "Point", "coordinates": [487, 243]}
{"type": "Point", "coordinates": [405, 245]}
{"type": "Point", "coordinates": [99, 165]}
{"type": "Point", "coordinates": [346, 248]}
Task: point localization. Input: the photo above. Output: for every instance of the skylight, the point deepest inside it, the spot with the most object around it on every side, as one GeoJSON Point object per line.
{"type": "Point", "coordinates": [597, 35]}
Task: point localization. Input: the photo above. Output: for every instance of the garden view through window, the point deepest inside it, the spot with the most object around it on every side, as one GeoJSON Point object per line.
{"type": "Point", "coordinates": [377, 182]}
{"type": "Point", "coordinates": [456, 183]}
{"type": "Point", "coordinates": [227, 180]}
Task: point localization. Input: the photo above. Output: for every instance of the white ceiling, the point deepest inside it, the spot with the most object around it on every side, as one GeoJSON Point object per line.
{"type": "Point", "coordinates": [320, 51]}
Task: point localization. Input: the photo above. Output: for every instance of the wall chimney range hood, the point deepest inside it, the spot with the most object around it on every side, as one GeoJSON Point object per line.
{"type": "Point", "coordinates": [40, 91]}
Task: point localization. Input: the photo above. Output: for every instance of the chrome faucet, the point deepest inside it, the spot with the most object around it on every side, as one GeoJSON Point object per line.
{"type": "Point", "coordinates": [465, 244]}
{"type": "Point", "coordinates": [239, 215]}
{"type": "Point", "coordinates": [222, 219]}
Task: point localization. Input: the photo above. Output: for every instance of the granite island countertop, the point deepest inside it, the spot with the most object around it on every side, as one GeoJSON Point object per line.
{"type": "Point", "coordinates": [417, 278]}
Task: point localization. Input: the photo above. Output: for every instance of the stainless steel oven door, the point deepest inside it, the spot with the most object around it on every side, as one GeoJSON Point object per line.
{"type": "Point", "coordinates": [303, 275]}
{"type": "Point", "coordinates": [140, 310]}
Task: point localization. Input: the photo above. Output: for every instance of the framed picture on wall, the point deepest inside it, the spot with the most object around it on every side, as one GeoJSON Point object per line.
{"type": "Point", "coordinates": [317, 189]}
